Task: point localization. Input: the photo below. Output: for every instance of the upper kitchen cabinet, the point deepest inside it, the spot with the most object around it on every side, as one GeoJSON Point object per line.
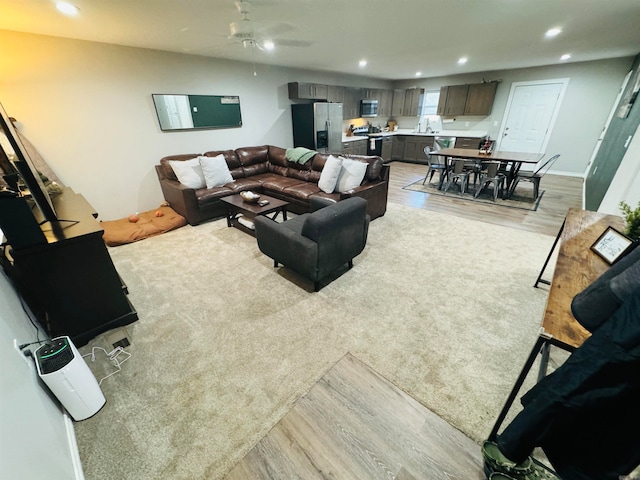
{"type": "Point", "coordinates": [371, 93]}
{"type": "Point", "coordinates": [385, 103]}
{"type": "Point", "coordinates": [351, 107]}
{"type": "Point", "coordinates": [474, 99]}
{"type": "Point", "coordinates": [307, 91]}
{"type": "Point", "coordinates": [335, 94]}
{"type": "Point", "coordinates": [397, 103]}
{"type": "Point", "coordinates": [406, 103]}
{"type": "Point", "coordinates": [412, 101]}
{"type": "Point", "coordinates": [453, 100]}
{"type": "Point", "coordinates": [480, 98]}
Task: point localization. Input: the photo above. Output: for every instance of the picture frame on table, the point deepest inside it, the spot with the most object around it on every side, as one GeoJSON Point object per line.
{"type": "Point", "coordinates": [612, 245]}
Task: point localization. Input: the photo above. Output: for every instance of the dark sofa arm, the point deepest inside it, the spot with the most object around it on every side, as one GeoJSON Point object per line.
{"type": "Point", "coordinates": [374, 193]}
{"type": "Point", "coordinates": [181, 198]}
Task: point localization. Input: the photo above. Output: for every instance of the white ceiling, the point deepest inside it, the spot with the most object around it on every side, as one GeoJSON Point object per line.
{"type": "Point", "coordinates": [396, 37]}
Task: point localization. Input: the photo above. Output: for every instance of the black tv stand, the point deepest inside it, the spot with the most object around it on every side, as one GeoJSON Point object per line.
{"type": "Point", "coordinates": [69, 281]}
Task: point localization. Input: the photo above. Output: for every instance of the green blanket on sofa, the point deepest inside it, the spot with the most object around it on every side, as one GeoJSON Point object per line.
{"type": "Point", "coordinates": [299, 154]}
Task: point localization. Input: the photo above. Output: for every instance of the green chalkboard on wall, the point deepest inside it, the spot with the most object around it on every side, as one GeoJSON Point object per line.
{"type": "Point", "coordinates": [188, 112]}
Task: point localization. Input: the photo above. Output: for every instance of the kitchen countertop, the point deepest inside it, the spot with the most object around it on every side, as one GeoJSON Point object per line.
{"type": "Point", "coordinates": [442, 133]}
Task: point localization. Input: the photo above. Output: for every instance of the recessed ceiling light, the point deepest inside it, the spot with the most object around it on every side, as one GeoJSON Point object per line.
{"type": "Point", "coordinates": [566, 56]}
{"type": "Point", "coordinates": [362, 63]}
{"type": "Point", "coordinates": [418, 74]}
{"type": "Point", "coordinates": [552, 32]}
{"type": "Point", "coordinates": [268, 45]}
{"type": "Point", "coordinates": [67, 8]}
{"type": "Point", "coordinates": [462, 60]}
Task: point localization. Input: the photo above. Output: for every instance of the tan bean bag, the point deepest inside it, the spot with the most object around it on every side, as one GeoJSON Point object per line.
{"type": "Point", "coordinates": [119, 232]}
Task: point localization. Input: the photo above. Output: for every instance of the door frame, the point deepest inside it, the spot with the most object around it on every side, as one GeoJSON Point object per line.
{"type": "Point", "coordinates": [554, 116]}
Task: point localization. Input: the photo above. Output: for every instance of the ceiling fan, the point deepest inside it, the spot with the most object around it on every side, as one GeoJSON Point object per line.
{"type": "Point", "coordinates": [254, 35]}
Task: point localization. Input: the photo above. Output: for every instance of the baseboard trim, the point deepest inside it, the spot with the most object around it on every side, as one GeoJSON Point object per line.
{"type": "Point", "coordinates": [73, 448]}
{"type": "Point", "coordinates": [565, 174]}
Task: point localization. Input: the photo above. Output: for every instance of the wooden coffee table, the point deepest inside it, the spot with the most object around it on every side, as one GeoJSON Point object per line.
{"type": "Point", "coordinates": [237, 207]}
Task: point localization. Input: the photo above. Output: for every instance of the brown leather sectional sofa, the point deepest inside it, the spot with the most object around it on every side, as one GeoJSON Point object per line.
{"type": "Point", "coordinates": [266, 169]}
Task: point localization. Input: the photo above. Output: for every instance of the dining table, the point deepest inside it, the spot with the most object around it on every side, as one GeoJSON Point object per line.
{"type": "Point", "coordinates": [512, 160]}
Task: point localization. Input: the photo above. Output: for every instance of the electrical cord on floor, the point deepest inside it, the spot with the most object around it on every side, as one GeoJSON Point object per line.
{"type": "Point", "coordinates": [113, 356]}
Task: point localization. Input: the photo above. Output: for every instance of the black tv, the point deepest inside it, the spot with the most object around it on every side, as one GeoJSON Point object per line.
{"type": "Point", "coordinates": [25, 166]}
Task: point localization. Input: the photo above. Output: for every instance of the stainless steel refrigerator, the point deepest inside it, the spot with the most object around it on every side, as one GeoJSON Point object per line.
{"type": "Point", "coordinates": [317, 126]}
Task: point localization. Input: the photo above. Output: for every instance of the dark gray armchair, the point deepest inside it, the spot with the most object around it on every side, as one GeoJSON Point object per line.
{"type": "Point", "coordinates": [318, 243]}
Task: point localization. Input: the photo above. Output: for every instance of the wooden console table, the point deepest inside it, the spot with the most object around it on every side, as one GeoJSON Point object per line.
{"type": "Point", "coordinates": [576, 268]}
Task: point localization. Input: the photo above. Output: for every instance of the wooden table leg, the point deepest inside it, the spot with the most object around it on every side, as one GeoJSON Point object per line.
{"type": "Point", "coordinates": [546, 262]}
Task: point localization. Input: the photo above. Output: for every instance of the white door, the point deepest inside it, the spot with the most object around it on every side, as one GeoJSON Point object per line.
{"type": "Point", "coordinates": [530, 114]}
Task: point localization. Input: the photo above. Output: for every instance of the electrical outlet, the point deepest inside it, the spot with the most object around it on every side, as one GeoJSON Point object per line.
{"type": "Point", "coordinates": [466, 124]}
{"type": "Point", "coordinates": [118, 338]}
{"type": "Point", "coordinates": [495, 123]}
{"type": "Point", "coordinates": [16, 346]}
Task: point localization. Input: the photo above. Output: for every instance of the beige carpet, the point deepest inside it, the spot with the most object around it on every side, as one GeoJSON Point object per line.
{"type": "Point", "coordinates": [441, 306]}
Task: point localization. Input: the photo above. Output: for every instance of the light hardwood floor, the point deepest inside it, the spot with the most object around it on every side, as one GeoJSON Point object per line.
{"type": "Point", "coordinates": [355, 425]}
{"type": "Point", "coordinates": [560, 194]}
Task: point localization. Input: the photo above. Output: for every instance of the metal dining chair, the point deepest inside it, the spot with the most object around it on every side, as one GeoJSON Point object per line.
{"type": "Point", "coordinates": [460, 173]}
{"type": "Point", "coordinates": [439, 165]}
{"type": "Point", "coordinates": [491, 175]}
{"type": "Point", "coordinates": [533, 177]}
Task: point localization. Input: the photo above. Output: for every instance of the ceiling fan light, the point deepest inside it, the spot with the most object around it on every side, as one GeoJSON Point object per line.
{"type": "Point", "coordinates": [242, 28]}
{"type": "Point", "coordinates": [67, 8]}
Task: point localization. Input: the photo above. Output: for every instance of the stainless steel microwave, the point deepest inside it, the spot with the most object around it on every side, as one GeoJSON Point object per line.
{"type": "Point", "coordinates": [369, 108]}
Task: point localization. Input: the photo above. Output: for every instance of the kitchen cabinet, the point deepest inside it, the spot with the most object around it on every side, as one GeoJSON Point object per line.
{"type": "Point", "coordinates": [397, 103]}
{"type": "Point", "coordinates": [355, 147]}
{"type": "Point", "coordinates": [406, 103]}
{"type": "Point", "coordinates": [335, 94]}
{"type": "Point", "coordinates": [474, 99]}
{"type": "Point", "coordinates": [360, 147]}
{"type": "Point", "coordinates": [414, 148]}
{"type": "Point", "coordinates": [480, 98]}
{"type": "Point", "coordinates": [387, 147]}
{"type": "Point", "coordinates": [412, 102]}
{"type": "Point", "coordinates": [351, 107]}
{"type": "Point", "coordinates": [453, 100]}
{"type": "Point", "coordinates": [307, 91]}
{"type": "Point", "coordinates": [385, 103]}
{"type": "Point", "coordinates": [469, 142]}
{"type": "Point", "coordinates": [397, 147]}
{"type": "Point", "coordinates": [371, 94]}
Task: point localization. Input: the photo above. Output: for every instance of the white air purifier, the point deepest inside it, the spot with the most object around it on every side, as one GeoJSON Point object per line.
{"type": "Point", "coordinates": [64, 371]}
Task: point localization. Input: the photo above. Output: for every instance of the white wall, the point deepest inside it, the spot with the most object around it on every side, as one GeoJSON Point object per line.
{"type": "Point", "coordinates": [87, 108]}
{"type": "Point", "coordinates": [34, 441]}
{"type": "Point", "coordinates": [591, 92]}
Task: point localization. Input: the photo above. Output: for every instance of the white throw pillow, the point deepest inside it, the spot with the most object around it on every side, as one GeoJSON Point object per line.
{"type": "Point", "coordinates": [189, 172]}
{"type": "Point", "coordinates": [216, 171]}
{"type": "Point", "coordinates": [330, 173]}
{"type": "Point", "coordinates": [351, 175]}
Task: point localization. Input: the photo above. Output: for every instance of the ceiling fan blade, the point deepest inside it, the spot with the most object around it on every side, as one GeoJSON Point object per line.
{"type": "Point", "coordinates": [274, 30]}
{"type": "Point", "coordinates": [292, 43]}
